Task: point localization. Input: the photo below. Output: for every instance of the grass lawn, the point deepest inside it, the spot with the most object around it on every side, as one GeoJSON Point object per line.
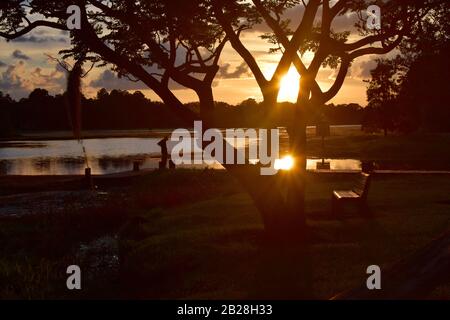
{"type": "Point", "coordinates": [190, 234]}
{"type": "Point", "coordinates": [215, 248]}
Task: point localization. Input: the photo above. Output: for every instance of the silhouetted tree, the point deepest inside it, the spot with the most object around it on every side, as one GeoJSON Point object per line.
{"type": "Point", "coordinates": [424, 98]}
{"type": "Point", "coordinates": [399, 20]}
{"type": "Point", "coordinates": [146, 40]}
{"type": "Point", "coordinates": [382, 92]}
{"type": "Point", "coordinates": [413, 89]}
{"type": "Point", "coordinates": [6, 120]}
{"type": "Point", "coordinates": [102, 94]}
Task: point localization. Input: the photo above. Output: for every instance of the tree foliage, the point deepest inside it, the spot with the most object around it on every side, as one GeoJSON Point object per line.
{"type": "Point", "coordinates": [406, 92]}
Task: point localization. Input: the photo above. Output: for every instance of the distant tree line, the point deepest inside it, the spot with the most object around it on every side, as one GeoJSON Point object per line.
{"type": "Point", "coordinates": [121, 110]}
{"type": "Point", "coordinates": [41, 111]}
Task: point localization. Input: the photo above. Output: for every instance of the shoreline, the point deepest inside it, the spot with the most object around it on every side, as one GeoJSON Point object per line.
{"type": "Point", "coordinates": [17, 184]}
{"type": "Point", "coordinates": [94, 134]}
{"type": "Point", "coordinates": [112, 133]}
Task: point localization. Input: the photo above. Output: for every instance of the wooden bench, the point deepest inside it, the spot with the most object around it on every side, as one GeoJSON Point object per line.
{"type": "Point", "coordinates": [357, 195]}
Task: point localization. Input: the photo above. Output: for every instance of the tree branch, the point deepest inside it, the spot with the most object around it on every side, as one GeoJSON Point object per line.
{"type": "Point", "coordinates": [239, 47]}
{"type": "Point", "coordinates": [299, 35]}
{"type": "Point", "coordinates": [334, 89]}
{"type": "Point", "coordinates": [89, 36]}
{"type": "Point", "coordinates": [275, 26]}
{"type": "Point", "coordinates": [338, 7]}
{"type": "Point", "coordinates": [376, 50]}
{"type": "Point", "coordinates": [31, 26]}
{"type": "Point", "coordinates": [176, 74]}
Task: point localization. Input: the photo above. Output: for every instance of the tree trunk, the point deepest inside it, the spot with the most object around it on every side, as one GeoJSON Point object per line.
{"type": "Point", "coordinates": [282, 219]}
{"type": "Point", "coordinates": [297, 144]}
{"type": "Point", "coordinates": [265, 191]}
{"type": "Point", "coordinates": [295, 198]}
{"type": "Point", "coordinates": [206, 100]}
{"type": "Point", "coordinates": [283, 206]}
{"type": "Point", "coordinates": [266, 194]}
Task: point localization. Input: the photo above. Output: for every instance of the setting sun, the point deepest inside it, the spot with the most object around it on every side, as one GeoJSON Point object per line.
{"type": "Point", "coordinates": [289, 86]}
{"type": "Point", "coordinates": [285, 163]}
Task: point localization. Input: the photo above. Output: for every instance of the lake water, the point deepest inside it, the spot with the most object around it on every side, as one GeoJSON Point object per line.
{"type": "Point", "coordinates": [107, 155]}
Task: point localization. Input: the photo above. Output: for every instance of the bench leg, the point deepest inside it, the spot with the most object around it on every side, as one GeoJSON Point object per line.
{"type": "Point", "coordinates": [334, 206]}
{"type": "Point", "coordinates": [363, 208]}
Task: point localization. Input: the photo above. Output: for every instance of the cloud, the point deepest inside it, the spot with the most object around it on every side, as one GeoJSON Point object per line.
{"type": "Point", "coordinates": [345, 22]}
{"type": "Point", "coordinates": [17, 54]}
{"type": "Point", "coordinates": [19, 82]}
{"type": "Point", "coordinates": [340, 23]}
{"type": "Point", "coordinates": [362, 69]}
{"type": "Point", "coordinates": [294, 14]}
{"type": "Point", "coordinates": [54, 81]}
{"type": "Point", "coordinates": [40, 39]}
{"type": "Point", "coordinates": [241, 70]}
{"type": "Point", "coordinates": [109, 80]}
{"type": "Point", "coordinates": [12, 80]}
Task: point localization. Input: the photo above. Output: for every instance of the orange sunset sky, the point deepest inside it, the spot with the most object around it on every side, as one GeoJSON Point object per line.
{"type": "Point", "coordinates": [24, 65]}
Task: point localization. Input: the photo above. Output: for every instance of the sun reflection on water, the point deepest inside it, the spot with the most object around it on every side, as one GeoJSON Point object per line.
{"type": "Point", "coordinates": [285, 163]}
